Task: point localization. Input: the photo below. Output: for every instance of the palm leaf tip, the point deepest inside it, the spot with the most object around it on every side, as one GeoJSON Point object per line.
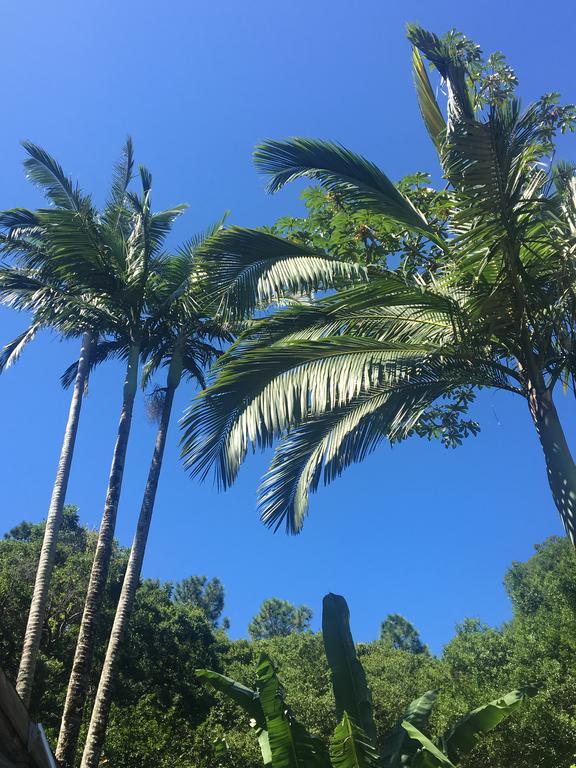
{"type": "Point", "coordinates": [43, 170]}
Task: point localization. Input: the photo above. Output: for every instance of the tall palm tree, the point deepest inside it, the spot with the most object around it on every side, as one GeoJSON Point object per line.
{"type": "Point", "coordinates": [131, 254]}
{"type": "Point", "coordinates": [56, 301]}
{"type": "Point", "coordinates": [181, 338]}
{"type": "Point", "coordinates": [202, 294]}
{"type": "Point", "coordinates": [491, 305]}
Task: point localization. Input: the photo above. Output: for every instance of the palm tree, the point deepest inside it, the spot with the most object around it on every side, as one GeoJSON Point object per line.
{"type": "Point", "coordinates": [181, 338]}
{"type": "Point", "coordinates": [56, 302]}
{"type": "Point", "coordinates": [490, 305]}
{"type": "Point", "coordinates": [131, 255]}
{"type": "Point", "coordinates": [203, 294]}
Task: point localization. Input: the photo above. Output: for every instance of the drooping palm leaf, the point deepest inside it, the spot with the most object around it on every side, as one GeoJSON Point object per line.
{"type": "Point", "coordinates": [247, 268]}
{"type": "Point", "coordinates": [42, 169]}
{"type": "Point", "coordinates": [359, 182]}
{"type": "Point", "coordinates": [12, 351]}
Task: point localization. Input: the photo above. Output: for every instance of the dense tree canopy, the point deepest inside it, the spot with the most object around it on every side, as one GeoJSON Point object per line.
{"type": "Point", "coordinates": [162, 715]}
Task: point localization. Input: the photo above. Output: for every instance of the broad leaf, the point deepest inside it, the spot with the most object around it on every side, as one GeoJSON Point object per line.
{"type": "Point", "coordinates": [245, 697]}
{"type": "Point", "coordinates": [290, 744]}
{"type": "Point", "coordinates": [398, 745]}
{"type": "Point", "coordinates": [466, 733]}
{"type": "Point", "coordinates": [351, 748]}
{"type": "Point", "coordinates": [248, 700]}
{"type": "Point", "coordinates": [351, 691]}
{"type": "Point", "coordinates": [428, 756]}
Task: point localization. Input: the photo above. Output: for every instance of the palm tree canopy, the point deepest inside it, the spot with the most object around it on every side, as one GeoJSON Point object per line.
{"type": "Point", "coordinates": [490, 305]}
{"type": "Point", "coordinates": [77, 269]}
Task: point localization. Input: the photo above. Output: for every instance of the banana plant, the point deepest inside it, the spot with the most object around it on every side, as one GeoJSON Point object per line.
{"type": "Point", "coordinates": [285, 742]}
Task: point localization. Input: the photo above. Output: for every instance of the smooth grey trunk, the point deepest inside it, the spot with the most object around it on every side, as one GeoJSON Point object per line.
{"type": "Point", "coordinates": [81, 666]}
{"type": "Point", "coordinates": [39, 602]}
{"type": "Point", "coordinates": [99, 719]}
{"type": "Point", "coordinates": [560, 466]}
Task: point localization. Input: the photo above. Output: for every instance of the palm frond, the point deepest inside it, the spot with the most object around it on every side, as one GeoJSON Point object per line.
{"type": "Point", "coordinates": [43, 170]}
{"type": "Point", "coordinates": [429, 109]}
{"type": "Point", "coordinates": [12, 351]}
{"type": "Point", "coordinates": [360, 183]}
{"type": "Point", "coordinates": [102, 351]}
{"type": "Point", "coordinates": [247, 268]}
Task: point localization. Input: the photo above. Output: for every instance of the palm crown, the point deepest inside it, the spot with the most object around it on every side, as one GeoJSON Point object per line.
{"type": "Point", "coordinates": [491, 303]}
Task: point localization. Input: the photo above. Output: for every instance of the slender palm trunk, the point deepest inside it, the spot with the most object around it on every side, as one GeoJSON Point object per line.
{"type": "Point", "coordinates": [78, 683]}
{"type": "Point", "coordinates": [99, 719]}
{"type": "Point", "coordinates": [39, 602]}
{"type": "Point", "coordinates": [560, 465]}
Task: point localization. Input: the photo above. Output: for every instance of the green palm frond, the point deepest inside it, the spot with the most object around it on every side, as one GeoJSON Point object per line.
{"type": "Point", "coordinates": [265, 390]}
{"type": "Point", "coordinates": [116, 213]}
{"type": "Point", "coordinates": [451, 67]}
{"type": "Point", "coordinates": [247, 269]}
{"type": "Point", "coordinates": [102, 351]}
{"type": "Point", "coordinates": [322, 447]}
{"type": "Point", "coordinates": [360, 183]}
{"type": "Point", "coordinates": [43, 170]}
{"type": "Point", "coordinates": [12, 351]}
{"type": "Point", "coordinates": [429, 109]}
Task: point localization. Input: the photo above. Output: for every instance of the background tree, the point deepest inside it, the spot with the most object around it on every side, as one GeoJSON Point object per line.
{"type": "Point", "coordinates": [161, 716]}
{"type": "Point", "coordinates": [199, 592]}
{"type": "Point", "coordinates": [399, 633]}
{"type": "Point", "coordinates": [278, 618]}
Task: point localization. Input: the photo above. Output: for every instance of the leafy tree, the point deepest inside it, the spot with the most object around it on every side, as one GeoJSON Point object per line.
{"type": "Point", "coordinates": [167, 641]}
{"type": "Point", "coordinates": [278, 618]}
{"type": "Point", "coordinates": [401, 634]}
{"type": "Point", "coordinates": [482, 302]}
{"type": "Point", "coordinates": [200, 593]}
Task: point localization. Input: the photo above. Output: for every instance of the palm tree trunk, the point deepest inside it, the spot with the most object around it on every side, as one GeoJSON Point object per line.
{"type": "Point", "coordinates": [79, 677]}
{"type": "Point", "coordinates": [560, 466]}
{"type": "Point", "coordinates": [99, 719]}
{"type": "Point", "coordinates": [39, 602]}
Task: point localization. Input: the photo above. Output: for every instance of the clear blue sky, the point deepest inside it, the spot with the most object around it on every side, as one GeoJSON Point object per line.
{"type": "Point", "coordinates": [416, 530]}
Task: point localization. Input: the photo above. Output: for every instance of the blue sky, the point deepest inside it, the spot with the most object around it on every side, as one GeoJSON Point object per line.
{"type": "Point", "coordinates": [416, 530]}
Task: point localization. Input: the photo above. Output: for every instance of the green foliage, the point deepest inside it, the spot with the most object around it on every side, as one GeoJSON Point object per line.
{"type": "Point", "coordinates": [198, 592]}
{"type": "Point", "coordinates": [163, 715]}
{"type": "Point", "coordinates": [398, 632]}
{"type": "Point", "coordinates": [351, 692]}
{"type": "Point", "coordinates": [467, 290]}
{"type": "Point", "coordinates": [278, 618]}
{"type": "Point", "coordinates": [350, 748]}
{"type": "Point", "coordinates": [285, 742]}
